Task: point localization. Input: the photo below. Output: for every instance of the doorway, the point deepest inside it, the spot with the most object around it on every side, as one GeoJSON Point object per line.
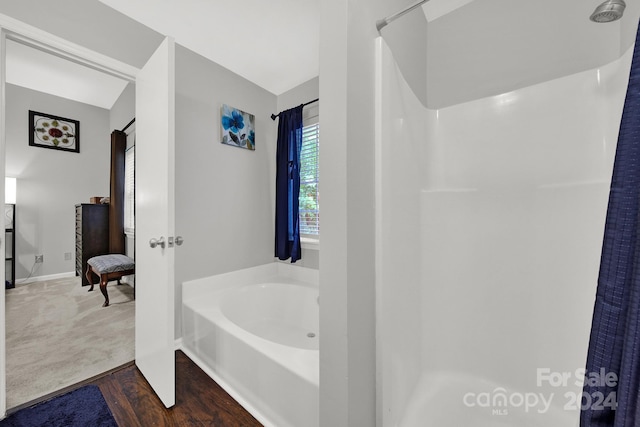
{"type": "Point", "coordinates": [155, 130]}
{"type": "Point", "coordinates": [57, 334]}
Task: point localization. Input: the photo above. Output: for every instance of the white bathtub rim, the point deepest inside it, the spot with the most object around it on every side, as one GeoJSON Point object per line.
{"type": "Point", "coordinates": [192, 298]}
{"type": "Point", "coordinates": [271, 272]}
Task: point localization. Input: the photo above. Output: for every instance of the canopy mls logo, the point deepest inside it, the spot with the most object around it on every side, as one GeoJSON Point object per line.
{"type": "Point", "coordinates": [500, 401]}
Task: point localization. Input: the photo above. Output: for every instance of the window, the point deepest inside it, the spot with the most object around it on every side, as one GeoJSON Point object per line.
{"type": "Point", "coordinates": [129, 191]}
{"type": "Point", "coordinates": [309, 198]}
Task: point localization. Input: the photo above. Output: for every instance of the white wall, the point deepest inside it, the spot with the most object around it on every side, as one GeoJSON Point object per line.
{"type": "Point", "coordinates": [224, 194]}
{"type": "Point", "coordinates": [89, 23]}
{"type": "Point", "coordinates": [52, 182]}
{"type": "Point", "coordinates": [300, 94]}
{"type": "Point", "coordinates": [347, 279]}
{"type": "Point", "coordinates": [491, 222]}
{"type": "Point", "coordinates": [124, 109]}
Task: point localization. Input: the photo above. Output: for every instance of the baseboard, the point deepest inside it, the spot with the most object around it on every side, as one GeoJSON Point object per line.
{"type": "Point", "coordinates": [231, 391]}
{"type": "Point", "coordinates": [45, 278]}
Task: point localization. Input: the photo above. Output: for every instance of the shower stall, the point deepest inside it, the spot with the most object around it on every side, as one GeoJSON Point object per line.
{"type": "Point", "coordinates": [489, 224]}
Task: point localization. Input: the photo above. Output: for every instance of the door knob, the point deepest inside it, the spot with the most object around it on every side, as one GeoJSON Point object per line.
{"type": "Point", "coordinates": [179, 240]}
{"type": "Point", "coordinates": [159, 242]}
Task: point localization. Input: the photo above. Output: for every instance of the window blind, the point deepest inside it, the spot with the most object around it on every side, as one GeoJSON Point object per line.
{"type": "Point", "coordinates": [309, 198]}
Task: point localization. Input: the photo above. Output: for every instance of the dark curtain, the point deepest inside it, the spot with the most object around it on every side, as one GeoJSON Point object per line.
{"type": "Point", "coordinates": [613, 360]}
{"type": "Point", "coordinates": [287, 243]}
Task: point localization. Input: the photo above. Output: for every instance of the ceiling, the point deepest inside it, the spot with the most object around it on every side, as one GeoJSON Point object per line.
{"type": "Point", "coordinates": [467, 49]}
{"type": "Point", "coordinates": [274, 44]}
{"type": "Point", "coordinates": [40, 71]}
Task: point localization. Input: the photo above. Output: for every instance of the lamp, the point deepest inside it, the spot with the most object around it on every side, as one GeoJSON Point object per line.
{"type": "Point", "coordinates": [9, 190]}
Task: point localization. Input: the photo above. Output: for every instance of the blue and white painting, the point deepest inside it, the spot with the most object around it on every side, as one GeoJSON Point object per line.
{"type": "Point", "coordinates": [238, 128]}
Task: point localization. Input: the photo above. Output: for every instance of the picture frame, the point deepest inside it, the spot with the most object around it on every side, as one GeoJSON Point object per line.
{"type": "Point", "coordinates": [238, 128]}
{"type": "Point", "coordinates": [55, 132]}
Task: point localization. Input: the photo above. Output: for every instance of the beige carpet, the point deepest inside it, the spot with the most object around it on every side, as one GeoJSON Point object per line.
{"type": "Point", "coordinates": [58, 334]}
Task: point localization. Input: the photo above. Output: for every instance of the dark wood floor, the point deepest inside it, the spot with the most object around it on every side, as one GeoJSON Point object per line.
{"type": "Point", "coordinates": [199, 400]}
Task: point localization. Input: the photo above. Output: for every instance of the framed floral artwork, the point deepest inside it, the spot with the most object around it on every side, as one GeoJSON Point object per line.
{"type": "Point", "coordinates": [58, 133]}
{"type": "Point", "coordinates": [238, 128]}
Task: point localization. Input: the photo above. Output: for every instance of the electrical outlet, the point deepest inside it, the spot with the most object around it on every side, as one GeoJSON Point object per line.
{"type": "Point", "coordinates": [39, 258]}
{"type": "Point", "coordinates": [67, 256]}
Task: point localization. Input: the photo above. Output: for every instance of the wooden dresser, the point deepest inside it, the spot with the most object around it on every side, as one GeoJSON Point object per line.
{"type": "Point", "coordinates": [92, 235]}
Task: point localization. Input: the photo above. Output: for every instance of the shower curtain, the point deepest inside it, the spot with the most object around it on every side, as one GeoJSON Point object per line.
{"type": "Point", "coordinates": [612, 382]}
{"type": "Point", "coordinates": [287, 242]}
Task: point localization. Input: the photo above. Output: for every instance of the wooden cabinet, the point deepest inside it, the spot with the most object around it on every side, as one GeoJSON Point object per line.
{"type": "Point", "coordinates": [10, 246]}
{"type": "Point", "coordinates": [92, 235]}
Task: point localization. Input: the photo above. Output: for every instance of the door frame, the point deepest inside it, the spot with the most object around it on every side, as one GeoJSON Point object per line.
{"type": "Point", "coordinates": [15, 30]}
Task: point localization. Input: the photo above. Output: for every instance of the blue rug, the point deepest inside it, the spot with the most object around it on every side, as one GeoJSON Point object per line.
{"type": "Point", "coordinates": [82, 407]}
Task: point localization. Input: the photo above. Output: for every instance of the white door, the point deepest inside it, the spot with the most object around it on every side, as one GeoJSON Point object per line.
{"type": "Point", "coordinates": [3, 392]}
{"type": "Point", "coordinates": [155, 145]}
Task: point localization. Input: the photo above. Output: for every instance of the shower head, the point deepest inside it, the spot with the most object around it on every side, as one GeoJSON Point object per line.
{"type": "Point", "coordinates": [609, 11]}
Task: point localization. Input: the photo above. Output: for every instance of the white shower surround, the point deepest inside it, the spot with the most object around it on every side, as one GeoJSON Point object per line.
{"type": "Point", "coordinates": [489, 224]}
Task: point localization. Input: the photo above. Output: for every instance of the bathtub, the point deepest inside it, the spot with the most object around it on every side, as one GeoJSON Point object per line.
{"type": "Point", "coordinates": [255, 332]}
